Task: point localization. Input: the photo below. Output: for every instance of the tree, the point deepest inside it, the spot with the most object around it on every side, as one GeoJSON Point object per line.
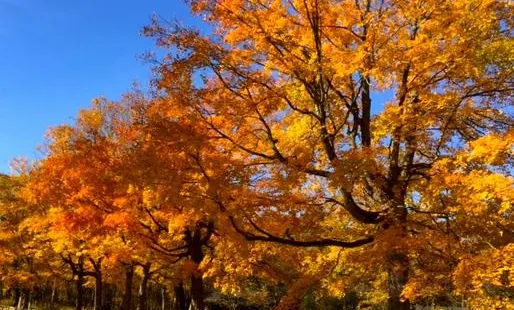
{"type": "Point", "coordinates": [25, 265]}
{"type": "Point", "coordinates": [292, 153]}
{"type": "Point", "coordinates": [77, 184]}
{"type": "Point", "coordinates": [292, 89]}
{"type": "Point", "coordinates": [125, 200]}
{"type": "Point", "coordinates": [171, 170]}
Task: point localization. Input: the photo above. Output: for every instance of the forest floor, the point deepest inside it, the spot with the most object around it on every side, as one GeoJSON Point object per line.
{"type": "Point", "coordinates": [7, 305]}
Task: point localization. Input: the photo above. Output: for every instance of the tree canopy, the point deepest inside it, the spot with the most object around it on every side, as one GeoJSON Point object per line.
{"type": "Point", "coordinates": [298, 154]}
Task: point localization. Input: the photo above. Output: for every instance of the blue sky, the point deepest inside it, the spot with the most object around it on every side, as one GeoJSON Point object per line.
{"type": "Point", "coordinates": [57, 55]}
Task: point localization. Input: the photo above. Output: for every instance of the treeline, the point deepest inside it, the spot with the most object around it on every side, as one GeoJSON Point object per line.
{"type": "Point", "coordinates": [300, 154]}
{"type": "Point", "coordinates": [63, 294]}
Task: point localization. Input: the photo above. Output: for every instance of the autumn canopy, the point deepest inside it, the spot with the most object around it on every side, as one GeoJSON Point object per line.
{"type": "Point", "coordinates": [292, 154]}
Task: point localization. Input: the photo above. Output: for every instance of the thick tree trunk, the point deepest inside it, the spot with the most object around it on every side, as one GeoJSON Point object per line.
{"type": "Point", "coordinates": [79, 304]}
{"type": "Point", "coordinates": [23, 300]}
{"type": "Point", "coordinates": [127, 294]}
{"type": "Point", "coordinates": [19, 302]}
{"type": "Point", "coordinates": [197, 293]}
{"type": "Point", "coordinates": [398, 273]}
{"type": "Point", "coordinates": [196, 240]}
{"type": "Point", "coordinates": [179, 302]}
{"type": "Point", "coordinates": [26, 299]}
{"type": "Point", "coordinates": [98, 304]}
{"type": "Point", "coordinates": [17, 295]}
{"type": "Point", "coordinates": [397, 279]}
{"type": "Point", "coordinates": [143, 288]}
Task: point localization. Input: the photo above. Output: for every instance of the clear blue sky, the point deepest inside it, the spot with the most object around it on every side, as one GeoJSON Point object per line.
{"type": "Point", "coordinates": [56, 55]}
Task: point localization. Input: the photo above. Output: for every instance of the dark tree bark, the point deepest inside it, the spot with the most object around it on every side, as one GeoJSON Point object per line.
{"type": "Point", "coordinates": [26, 299]}
{"type": "Point", "coordinates": [127, 293]}
{"type": "Point", "coordinates": [143, 288]}
{"type": "Point", "coordinates": [23, 302]}
{"type": "Point", "coordinates": [366, 112]}
{"type": "Point", "coordinates": [53, 297]}
{"type": "Point", "coordinates": [77, 270]}
{"type": "Point", "coordinates": [196, 240]}
{"type": "Point", "coordinates": [179, 301]}
{"type": "Point", "coordinates": [99, 289]}
{"type": "Point", "coordinates": [398, 261]}
{"type": "Point", "coordinates": [197, 292]}
{"type": "Point", "coordinates": [17, 295]}
{"type": "Point", "coordinates": [79, 303]}
{"type": "Point", "coordinates": [397, 279]}
{"type": "Point", "coordinates": [98, 304]}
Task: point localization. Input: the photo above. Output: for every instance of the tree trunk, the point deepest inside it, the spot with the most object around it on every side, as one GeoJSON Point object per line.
{"type": "Point", "coordinates": [17, 295]}
{"type": "Point", "coordinates": [21, 300]}
{"type": "Point", "coordinates": [98, 305]}
{"type": "Point", "coordinates": [143, 288]}
{"type": "Point", "coordinates": [397, 279]}
{"type": "Point", "coordinates": [163, 298]}
{"type": "Point", "coordinates": [79, 305]}
{"type": "Point", "coordinates": [196, 241]}
{"type": "Point", "coordinates": [366, 111]}
{"type": "Point", "coordinates": [26, 299]}
{"type": "Point", "coordinates": [179, 302]}
{"type": "Point", "coordinates": [197, 294]}
{"type": "Point", "coordinates": [398, 273]}
{"type": "Point", "coordinates": [53, 297]}
{"type": "Point", "coordinates": [127, 294]}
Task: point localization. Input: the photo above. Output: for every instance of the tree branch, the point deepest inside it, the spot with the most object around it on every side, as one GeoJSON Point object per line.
{"type": "Point", "coordinates": [298, 243]}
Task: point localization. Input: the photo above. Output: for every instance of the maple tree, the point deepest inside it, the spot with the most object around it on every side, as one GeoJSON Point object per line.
{"type": "Point", "coordinates": [78, 198]}
{"type": "Point", "coordinates": [119, 194]}
{"type": "Point", "coordinates": [25, 266]}
{"type": "Point", "coordinates": [292, 154]}
{"type": "Point", "coordinates": [294, 88]}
